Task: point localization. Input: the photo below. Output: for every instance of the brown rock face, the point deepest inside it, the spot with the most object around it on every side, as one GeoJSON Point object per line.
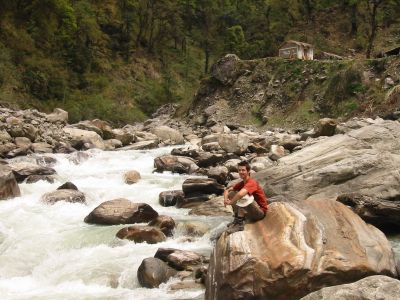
{"type": "Point", "coordinates": [140, 234]}
{"type": "Point", "coordinates": [131, 177]}
{"type": "Point", "coordinates": [294, 251]}
{"type": "Point", "coordinates": [8, 185]}
{"type": "Point", "coordinates": [325, 127]}
{"type": "Point", "coordinates": [121, 211]}
{"type": "Point", "coordinates": [165, 223]}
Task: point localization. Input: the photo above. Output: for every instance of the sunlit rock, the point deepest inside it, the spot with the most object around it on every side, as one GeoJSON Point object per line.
{"type": "Point", "coordinates": [295, 250]}
{"type": "Point", "coordinates": [121, 211]}
{"type": "Point", "coordinates": [369, 288]}
{"type": "Point", "coordinates": [131, 177]}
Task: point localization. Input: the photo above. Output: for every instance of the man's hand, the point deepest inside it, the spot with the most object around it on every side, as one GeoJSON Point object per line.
{"type": "Point", "coordinates": [227, 201]}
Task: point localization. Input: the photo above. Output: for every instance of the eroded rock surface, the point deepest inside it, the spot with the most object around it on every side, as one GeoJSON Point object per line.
{"type": "Point", "coordinates": [8, 185]}
{"type": "Point", "coordinates": [296, 250]}
{"type": "Point", "coordinates": [370, 288]}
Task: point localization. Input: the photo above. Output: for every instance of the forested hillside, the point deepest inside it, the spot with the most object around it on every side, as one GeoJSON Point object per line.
{"type": "Point", "coordinates": [120, 59]}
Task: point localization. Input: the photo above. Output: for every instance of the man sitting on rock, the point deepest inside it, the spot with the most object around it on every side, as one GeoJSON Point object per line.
{"type": "Point", "coordinates": [247, 199]}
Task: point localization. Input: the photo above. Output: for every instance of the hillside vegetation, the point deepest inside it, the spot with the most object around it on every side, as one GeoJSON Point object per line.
{"type": "Point", "coordinates": [120, 59]}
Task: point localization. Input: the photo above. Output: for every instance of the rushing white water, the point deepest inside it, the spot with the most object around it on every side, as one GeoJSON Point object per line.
{"type": "Point", "coordinates": [48, 252]}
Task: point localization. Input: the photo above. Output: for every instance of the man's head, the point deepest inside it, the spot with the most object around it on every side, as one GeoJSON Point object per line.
{"type": "Point", "coordinates": [244, 170]}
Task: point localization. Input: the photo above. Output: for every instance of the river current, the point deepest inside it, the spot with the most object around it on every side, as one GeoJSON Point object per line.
{"type": "Point", "coordinates": [48, 252]}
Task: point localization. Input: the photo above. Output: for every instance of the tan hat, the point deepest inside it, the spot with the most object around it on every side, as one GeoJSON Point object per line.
{"type": "Point", "coordinates": [245, 200]}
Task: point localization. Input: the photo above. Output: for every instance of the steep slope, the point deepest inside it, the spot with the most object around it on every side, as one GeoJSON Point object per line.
{"type": "Point", "coordinates": [294, 93]}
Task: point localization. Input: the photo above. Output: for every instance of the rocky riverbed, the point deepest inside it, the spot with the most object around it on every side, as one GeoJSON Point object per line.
{"type": "Point", "coordinates": [326, 186]}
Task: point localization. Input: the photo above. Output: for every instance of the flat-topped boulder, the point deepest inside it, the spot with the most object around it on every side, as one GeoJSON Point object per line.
{"type": "Point", "coordinates": [80, 138]}
{"type": "Point", "coordinates": [295, 250]}
{"type": "Point", "coordinates": [180, 259]}
{"type": "Point", "coordinates": [22, 170]}
{"type": "Point", "coordinates": [121, 211]}
{"type": "Point", "coordinates": [212, 207]}
{"type": "Point", "coordinates": [8, 184]}
{"type": "Point", "coordinates": [168, 135]}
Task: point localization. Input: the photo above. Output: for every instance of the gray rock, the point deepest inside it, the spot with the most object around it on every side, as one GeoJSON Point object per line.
{"type": "Point", "coordinates": [369, 288]}
{"type": "Point", "coordinates": [168, 135]}
{"type": "Point", "coordinates": [22, 170]}
{"type": "Point", "coordinates": [153, 271]}
{"type": "Point", "coordinates": [131, 177]}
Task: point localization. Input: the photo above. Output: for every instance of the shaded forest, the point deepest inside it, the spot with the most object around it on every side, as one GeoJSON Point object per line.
{"type": "Point", "coordinates": [120, 59]}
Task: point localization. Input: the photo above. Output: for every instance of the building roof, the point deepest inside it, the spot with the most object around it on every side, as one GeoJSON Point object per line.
{"type": "Point", "coordinates": [305, 45]}
{"type": "Point", "coordinates": [392, 51]}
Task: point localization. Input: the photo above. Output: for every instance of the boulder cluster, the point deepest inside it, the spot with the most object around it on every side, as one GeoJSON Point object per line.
{"type": "Point", "coordinates": [326, 186]}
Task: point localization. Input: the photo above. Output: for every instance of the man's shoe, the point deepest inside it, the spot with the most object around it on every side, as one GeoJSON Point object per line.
{"type": "Point", "coordinates": [235, 228]}
{"type": "Point", "coordinates": [236, 220]}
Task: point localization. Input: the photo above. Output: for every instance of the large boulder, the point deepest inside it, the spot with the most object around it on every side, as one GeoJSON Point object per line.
{"type": "Point", "coordinates": [370, 288]}
{"type": "Point", "coordinates": [226, 69]}
{"type": "Point", "coordinates": [121, 211]}
{"type": "Point", "coordinates": [153, 271]}
{"type": "Point", "coordinates": [212, 207]}
{"type": "Point", "coordinates": [168, 135]}
{"type": "Point", "coordinates": [365, 160]}
{"type": "Point", "coordinates": [22, 170]}
{"type": "Point", "coordinates": [234, 143]}
{"type": "Point", "coordinates": [325, 127]}
{"type": "Point", "coordinates": [140, 234]}
{"type": "Point", "coordinates": [295, 250]}
{"type": "Point", "coordinates": [8, 185]}
{"type": "Point", "coordinates": [71, 196]}
{"type": "Point", "coordinates": [58, 115]}
{"type": "Point", "coordinates": [80, 137]}
{"type": "Point", "coordinates": [175, 164]}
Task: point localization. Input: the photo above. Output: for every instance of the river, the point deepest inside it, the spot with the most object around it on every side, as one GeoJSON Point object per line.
{"type": "Point", "coordinates": [48, 252]}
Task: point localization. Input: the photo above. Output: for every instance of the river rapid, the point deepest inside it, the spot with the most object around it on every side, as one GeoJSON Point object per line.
{"type": "Point", "coordinates": [48, 252]}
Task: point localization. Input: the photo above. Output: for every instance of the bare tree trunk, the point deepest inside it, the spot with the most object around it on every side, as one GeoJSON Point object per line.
{"type": "Point", "coordinates": [353, 20]}
{"type": "Point", "coordinates": [373, 24]}
{"type": "Point", "coordinates": [207, 56]}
